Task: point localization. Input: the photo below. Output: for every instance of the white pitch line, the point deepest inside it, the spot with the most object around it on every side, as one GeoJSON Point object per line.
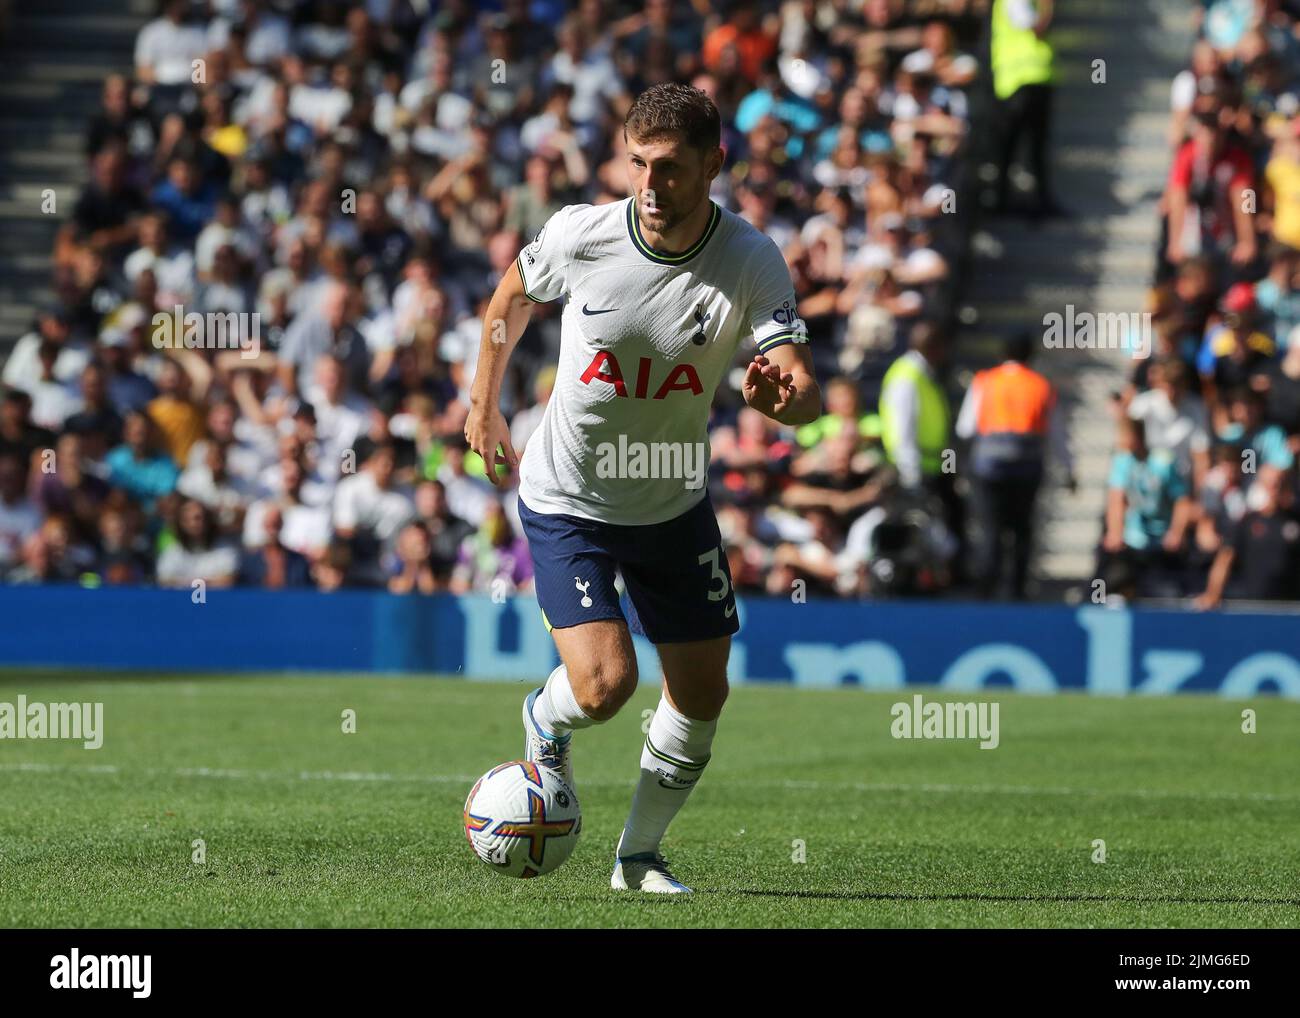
{"type": "Point", "coordinates": [236, 774]}
{"type": "Point", "coordinates": [1142, 793]}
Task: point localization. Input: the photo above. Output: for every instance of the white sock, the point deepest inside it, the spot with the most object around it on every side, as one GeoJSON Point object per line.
{"type": "Point", "coordinates": [556, 709]}
{"type": "Point", "coordinates": [676, 750]}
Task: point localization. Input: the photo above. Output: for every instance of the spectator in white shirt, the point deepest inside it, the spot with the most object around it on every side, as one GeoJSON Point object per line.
{"type": "Point", "coordinates": [212, 484]}
{"type": "Point", "coordinates": [306, 528]}
{"type": "Point", "coordinates": [368, 502]}
{"type": "Point", "coordinates": [172, 264]}
{"type": "Point", "coordinates": [198, 553]}
{"type": "Point", "coordinates": [53, 401]}
{"type": "Point", "coordinates": [342, 417]}
{"type": "Point", "coordinates": [227, 228]}
{"type": "Point", "coordinates": [442, 115]}
{"type": "Point", "coordinates": [23, 368]}
{"type": "Point", "coordinates": [1175, 420]}
{"type": "Point", "coordinates": [166, 48]}
{"type": "Point", "coordinates": [596, 85]}
{"type": "Point", "coordinates": [266, 34]}
{"type": "Point", "coordinates": [321, 104]}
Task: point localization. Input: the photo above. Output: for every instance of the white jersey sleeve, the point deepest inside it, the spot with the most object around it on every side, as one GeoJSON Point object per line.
{"type": "Point", "coordinates": [771, 312]}
{"type": "Point", "coordinates": [544, 264]}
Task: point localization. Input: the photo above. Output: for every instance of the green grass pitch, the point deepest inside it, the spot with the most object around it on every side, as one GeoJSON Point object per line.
{"type": "Point", "coordinates": [304, 825]}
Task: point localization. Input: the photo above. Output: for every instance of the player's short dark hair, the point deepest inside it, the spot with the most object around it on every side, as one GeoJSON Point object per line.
{"type": "Point", "coordinates": [675, 109]}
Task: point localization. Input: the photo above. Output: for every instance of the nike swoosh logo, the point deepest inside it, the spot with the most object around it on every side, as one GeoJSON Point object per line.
{"type": "Point", "coordinates": [731, 610]}
{"type": "Point", "coordinates": [586, 311]}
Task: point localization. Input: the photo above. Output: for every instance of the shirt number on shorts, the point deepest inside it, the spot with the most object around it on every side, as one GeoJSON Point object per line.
{"type": "Point", "coordinates": [716, 575]}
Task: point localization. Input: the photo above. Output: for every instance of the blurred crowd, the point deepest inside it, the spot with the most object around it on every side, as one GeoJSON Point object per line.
{"type": "Point", "coordinates": [1202, 489]}
{"type": "Point", "coordinates": [359, 175]}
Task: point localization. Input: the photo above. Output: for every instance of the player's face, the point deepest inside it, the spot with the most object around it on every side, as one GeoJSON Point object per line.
{"type": "Point", "coordinates": [669, 179]}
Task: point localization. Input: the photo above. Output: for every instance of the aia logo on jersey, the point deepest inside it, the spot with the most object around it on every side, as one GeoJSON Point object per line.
{"type": "Point", "coordinates": [604, 367]}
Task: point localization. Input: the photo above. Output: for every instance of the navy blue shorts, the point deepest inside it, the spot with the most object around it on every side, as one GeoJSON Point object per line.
{"type": "Point", "coordinates": [676, 574]}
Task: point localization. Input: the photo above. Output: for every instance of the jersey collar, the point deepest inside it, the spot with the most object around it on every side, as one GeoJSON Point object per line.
{"type": "Point", "coordinates": [664, 257]}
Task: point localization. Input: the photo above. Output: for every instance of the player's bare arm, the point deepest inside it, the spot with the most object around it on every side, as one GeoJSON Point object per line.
{"type": "Point", "coordinates": [507, 316]}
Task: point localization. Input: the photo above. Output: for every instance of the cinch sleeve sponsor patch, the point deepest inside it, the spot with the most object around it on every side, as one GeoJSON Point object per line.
{"type": "Point", "coordinates": [772, 313]}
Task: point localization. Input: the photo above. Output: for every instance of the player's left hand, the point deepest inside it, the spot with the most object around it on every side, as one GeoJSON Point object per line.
{"type": "Point", "coordinates": [766, 389]}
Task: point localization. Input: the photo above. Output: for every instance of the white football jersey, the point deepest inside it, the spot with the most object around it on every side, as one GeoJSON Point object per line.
{"type": "Point", "coordinates": [646, 337]}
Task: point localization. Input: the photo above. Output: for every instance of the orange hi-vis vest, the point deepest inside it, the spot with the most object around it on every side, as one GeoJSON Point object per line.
{"type": "Point", "coordinates": [1015, 409]}
{"type": "Point", "coordinates": [1015, 399]}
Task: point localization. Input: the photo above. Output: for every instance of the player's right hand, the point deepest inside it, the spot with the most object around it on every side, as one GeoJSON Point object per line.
{"type": "Point", "coordinates": [488, 435]}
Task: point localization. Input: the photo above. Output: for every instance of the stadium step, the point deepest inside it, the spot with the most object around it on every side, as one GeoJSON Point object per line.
{"type": "Point", "coordinates": [138, 10]}
{"type": "Point", "coordinates": [54, 158]}
{"type": "Point", "coordinates": [1111, 155]}
{"type": "Point", "coordinates": [45, 96]}
{"type": "Point", "coordinates": [52, 67]}
{"type": "Point", "coordinates": [65, 65]}
{"type": "Point", "coordinates": [61, 134]}
{"type": "Point", "coordinates": [76, 32]}
{"type": "Point", "coordinates": [21, 236]}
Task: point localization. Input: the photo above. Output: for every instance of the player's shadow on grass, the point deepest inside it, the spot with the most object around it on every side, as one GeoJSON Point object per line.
{"type": "Point", "coordinates": [1143, 899]}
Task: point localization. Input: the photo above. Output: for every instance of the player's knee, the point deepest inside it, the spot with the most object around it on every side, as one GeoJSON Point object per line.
{"type": "Point", "coordinates": [703, 703]}
{"type": "Point", "coordinates": [604, 687]}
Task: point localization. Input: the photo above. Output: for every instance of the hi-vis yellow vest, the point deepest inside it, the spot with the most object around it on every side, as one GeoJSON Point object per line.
{"type": "Point", "coordinates": [931, 415]}
{"type": "Point", "coordinates": [1018, 56]}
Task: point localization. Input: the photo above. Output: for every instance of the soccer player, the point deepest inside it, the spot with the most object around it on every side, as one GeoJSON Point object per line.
{"type": "Point", "coordinates": [660, 288]}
